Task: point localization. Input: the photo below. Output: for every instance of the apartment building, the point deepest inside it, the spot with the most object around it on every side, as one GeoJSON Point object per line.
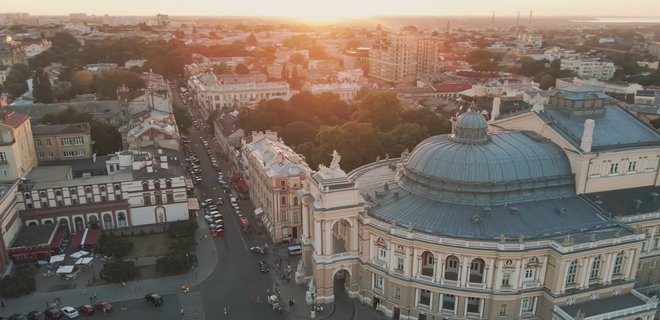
{"type": "Point", "coordinates": [62, 141]}
{"type": "Point", "coordinates": [400, 58]}
{"type": "Point", "coordinates": [211, 94]}
{"type": "Point", "coordinates": [588, 68]}
{"type": "Point", "coordinates": [17, 151]}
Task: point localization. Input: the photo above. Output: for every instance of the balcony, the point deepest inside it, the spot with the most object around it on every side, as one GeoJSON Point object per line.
{"type": "Point", "coordinates": [527, 314]}
{"type": "Point", "coordinates": [3, 161]}
{"type": "Point", "coordinates": [473, 285]}
{"type": "Point", "coordinates": [424, 278]}
{"type": "Point", "coordinates": [450, 283]}
{"type": "Point", "coordinates": [427, 270]}
{"type": "Point", "coordinates": [530, 284]}
{"type": "Point", "coordinates": [451, 275]}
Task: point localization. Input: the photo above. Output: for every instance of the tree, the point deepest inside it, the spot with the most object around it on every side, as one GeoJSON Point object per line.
{"type": "Point", "coordinates": [383, 110]}
{"type": "Point", "coordinates": [297, 132]}
{"type": "Point", "coordinates": [117, 248]}
{"type": "Point", "coordinates": [14, 287]}
{"type": "Point", "coordinates": [530, 67]}
{"type": "Point", "coordinates": [221, 68]}
{"type": "Point", "coordinates": [251, 40]}
{"type": "Point", "coordinates": [358, 143]}
{"type": "Point", "coordinates": [241, 69]}
{"type": "Point", "coordinates": [210, 121]}
{"type": "Point", "coordinates": [294, 81]}
{"type": "Point", "coordinates": [183, 121]}
{"type": "Point", "coordinates": [107, 83]}
{"type": "Point", "coordinates": [16, 80]}
{"type": "Point", "coordinates": [41, 87]}
{"type": "Point", "coordinates": [119, 271]}
{"type": "Point", "coordinates": [405, 136]}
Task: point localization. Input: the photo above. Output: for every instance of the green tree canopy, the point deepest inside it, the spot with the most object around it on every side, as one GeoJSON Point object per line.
{"type": "Point", "coordinates": [383, 110]}
{"type": "Point", "coordinates": [42, 90]}
{"type": "Point", "coordinates": [106, 83]}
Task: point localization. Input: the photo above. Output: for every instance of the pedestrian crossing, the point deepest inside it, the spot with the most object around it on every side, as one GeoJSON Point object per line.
{"type": "Point", "coordinates": [192, 306]}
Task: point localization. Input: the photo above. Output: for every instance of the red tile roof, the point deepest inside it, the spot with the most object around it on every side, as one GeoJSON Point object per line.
{"type": "Point", "coordinates": [12, 119]}
{"type": "Point", "coordinates": [451, 87]}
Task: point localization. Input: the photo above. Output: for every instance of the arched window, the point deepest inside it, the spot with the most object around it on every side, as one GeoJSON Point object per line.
{"type": "Point", "coordinates": [117, 186]}
{"type": "Point", "coordinates": [295, 201]}
{"type": "Point", "coordinates": [571, 273]}
{"type": "Point", "coordinates": [156, 184]}
{"type": "Point", "coordinates": [595, 268]}
{"type": "Point", "coordinates": [168, 183]}
{"type": "Point", "coordinates": [27, 195]}
{"type": "Point", "coordinates": [145, 185]}
{"type": "Point", "coordinates": [283, 200]}
{"type": "Point", "coordinates": [283, 216]}
{"type": "Point", "coordinates": [102, 188]}
{"type": "Point", "coordinates": [74, 191]}
{"type": "Point", "coordinates": [58, 192]}
{"type": "Point", "coordinates": [42, 194]}
{"type": "Point", "coordinates": [618, 264]}
{"type": "Point", "coordinates": [88, 189]}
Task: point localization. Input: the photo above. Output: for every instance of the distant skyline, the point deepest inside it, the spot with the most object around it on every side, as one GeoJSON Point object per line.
{"type": "Point", "coordinates": [332, 9]}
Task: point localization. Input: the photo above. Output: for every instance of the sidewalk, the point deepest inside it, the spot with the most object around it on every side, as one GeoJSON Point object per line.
{"type": "Point", "coordinates": [206, 254]}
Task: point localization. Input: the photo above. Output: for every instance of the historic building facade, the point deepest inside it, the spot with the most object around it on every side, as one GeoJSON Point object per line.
{"type": "Point", "coordinates": [482, 225]}
{"type": "Point", "coordinates": [17, 152]}
{"type": "Point", "coordinates": [62, 141]}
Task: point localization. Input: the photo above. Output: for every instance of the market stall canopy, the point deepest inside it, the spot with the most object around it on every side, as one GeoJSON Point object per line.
{"type": "Point", "coordinates": [85, 261]}
{"type": "Point", "coordinates": [57, 240]}
{"type": "Point", "coordinates": [64, 270]}
{"type": "Point", "coordinates": [79, 254]}
{"type": "Point", "coordinates": [57, 258]}
{"type": "Point", "coordinates": [88, 237]}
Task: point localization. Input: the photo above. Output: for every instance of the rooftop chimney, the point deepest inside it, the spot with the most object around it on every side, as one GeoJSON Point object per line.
{"type": "Point", "coordinates": [587, 135]}
{"type": "Point", "coordinates": [496, 109]}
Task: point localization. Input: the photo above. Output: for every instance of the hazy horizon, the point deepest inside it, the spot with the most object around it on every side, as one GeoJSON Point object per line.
{"type": "Point", "coordinates": [337, 9]}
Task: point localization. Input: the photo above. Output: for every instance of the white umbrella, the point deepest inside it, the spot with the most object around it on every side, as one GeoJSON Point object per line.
{"type": "Point", "coordinates": [79, 254]}
{"type": "Point", "coordinates": [57, 258]}
{"type": "Point", "coordinates": [84, 261]}
{"type": "Point", "coordinates": [64, 270]}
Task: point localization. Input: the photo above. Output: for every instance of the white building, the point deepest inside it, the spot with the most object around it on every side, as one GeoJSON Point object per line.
{"type": "Point", "coordinates": [352, 75]}
{"type": "Point", "coordinates": [346, 91]}
{"type": "Point", "coordinates": [533, 40]}
{"type": "Point", "coordinates": [596, 85]}
{"type": "Point", "coordinates": [588, 68]}
{"type": "Point", "coordinates": [36, 48]}
{"type": "Point", "coordinates": [210, 94]}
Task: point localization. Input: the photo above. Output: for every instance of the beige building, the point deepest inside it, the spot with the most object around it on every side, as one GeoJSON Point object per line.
{"type": "Point", "coordinates": [491, 225]}
{"type": "Point", "coordinates": [62, 141]}
{"type": "Point", "coordinates": [17, 153]}
{"type": "Point", "coordinates": [11, 53]}
{"type": "Point", "coordinates": [401, 58]}
{"type": "Point", "coordinates": [274, 174]}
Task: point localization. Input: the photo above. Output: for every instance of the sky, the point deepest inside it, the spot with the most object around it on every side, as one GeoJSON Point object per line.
{"type": "Point", "coordinates": [329, 9]}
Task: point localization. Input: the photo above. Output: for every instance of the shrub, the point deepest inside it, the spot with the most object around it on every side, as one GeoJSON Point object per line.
{"type": "Point", "coordinates": [116, 247]}
{"type": "Point", "coordinates": [26, 270]}
{"type": "Point", "coordinates": [175, 263]}
{"type": "Point", "coordinates": [181, 229]}
{"type": "Point", "coordinates": [119, 271]}
{"type": "Point", "coordinates": [13, 287]}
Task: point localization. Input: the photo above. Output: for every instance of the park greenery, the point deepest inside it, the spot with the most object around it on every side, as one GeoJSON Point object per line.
{"type": "Point", "coordinates": [315, 125]}
{"type": "Point", "coordinates": [119, 271]}
{"type": "Point", "coordinates": [107, 138]}
{"type": "Point", "coordinates": [16, 81]}
{"type": "Point", "coordinates": [180, 257]}
{"type": "Point", "coordinates": [21, 283]}
{"type": "Point", "coordinates": [116, 247]}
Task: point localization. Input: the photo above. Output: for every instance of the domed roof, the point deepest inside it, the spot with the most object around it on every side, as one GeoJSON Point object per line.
{"type": "Point", "coordinates": [470, 127]}
{"type": "Point", "coordinates": [503, 168]}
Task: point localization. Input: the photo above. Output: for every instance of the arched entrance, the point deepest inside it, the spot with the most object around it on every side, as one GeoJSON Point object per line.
{"type": "Point", "coordinates": [107, 221]}
{"type": "Point", "coordinates": [93, 222]}
{"type": "Point", "coordinates": [64, 225]}
{"type": "Point", "coordinates": [341, 236]}
{"type": "Point", "coordinates": [342, 283]}
{"type": "Point", "coordinates": [121, 220]}
{"type": "Point", "coordinates": [32, 223]}
{"type": "Point", "coordinates": [78, 222]}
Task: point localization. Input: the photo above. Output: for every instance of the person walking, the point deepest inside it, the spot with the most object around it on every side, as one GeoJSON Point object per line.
{"type": "Point", "coordinates": [2, 304]}
{"type": "Point", "coordinates": [181, 311]}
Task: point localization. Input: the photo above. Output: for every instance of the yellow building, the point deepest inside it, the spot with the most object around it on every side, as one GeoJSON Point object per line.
{"type": "Point", "coordinates": [63, 141]}
{"type": "Point", "coordinates": [17, 152]}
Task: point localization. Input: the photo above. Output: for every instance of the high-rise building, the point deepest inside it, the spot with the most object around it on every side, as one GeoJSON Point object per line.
{"type": "Point", "coordinates": [401, 58]}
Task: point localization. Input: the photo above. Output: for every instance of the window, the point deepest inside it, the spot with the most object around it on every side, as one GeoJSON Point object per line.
{"type": "Point", "coordinates": [168, 183]}
{"type": "Point", "coordinates": [102, 188]}
{"type": "Point", "coordinates": [42, 194]}
{"type": "Point", "coordinates": [44, 204]}
{"type": "Point", "coordinates": [74, 201]}
{"type": "Point", "coordinates": [382, 253]}
{"type": "Point", "coordinates": [38, 142]}
{"type": "Point", "coordinates": [159, 197]}
{"type": "Point", "coordinates": [73, 191]}
{"type": "Point", "coordinates": [3, 157]}
{"type": "Point", "coordinates": [90, 199]}
{"type": "Point", "coordinates": [27, 196]}
{"type": "Point", "coordinates": [74, 141]}
{"type": "Point", "coordinates": [506, 278]}
{"type": "Point", "coordinates": [117, 187]}
{"type": "Point", "coordinates": [170, 197]}
{"type": "Point", "coordinates": [397, 293]}
{"type": "Point", "coordinates": [452, 263]}
{"type": "Point", "coordinates": [614, 168]}
{"type": "Point", "coordinates": [571, 273]}
{"type": "Point", "coordinates": [473, 304]}
{"type": "Point", "coordinates": [503, 310]}
{"type": "Point", "coordinates": [145, 185]}
{"type": "Point", "coordinates": [104, 198]}
{"type": "Point", "coordinates": [399, 264]}
{"type": "Point", "coordinates": [424, 297]}
{"type": "Point", "coordinates": [4, 172]}
{"type": "Point", "coordinates": [48, 143]}
{"type": "Point", "coordinates": [526, 305]}
{"type": "Point", "coordinates": [618, 264]}
{"type": "Point", "coordinates": [156, 184]}
{"type": "Point", "coordinates": [632, 166]}
{"type": "Point", "coordinates": [529, 274]}
{"type": "Point", "coordinates": [88, 190]}
{"type": "Point", "coordinates": [58, 192]}
{"type": "Point", "coordinates": [283, 216]}
{"type": "Point", "coordinates": [379, 282]}
{"type": "Point", "coordinates": [448, 302]}
{"type": "Point", "coordinates": [283, 200]}
{"type": "Point", "coordinates": [73, 153]}
{"type": "Point", "coordinates": [60, 203]}
{"type": "Point", "coordinates": [595, 268]}
{"type": "Point", "coordinates": [146, 199]}
{"type": "Point", "coordinates": [295, 201]}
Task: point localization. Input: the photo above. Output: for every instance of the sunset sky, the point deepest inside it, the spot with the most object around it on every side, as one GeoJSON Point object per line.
{"type": "Point", "coordinates": [338, 8]}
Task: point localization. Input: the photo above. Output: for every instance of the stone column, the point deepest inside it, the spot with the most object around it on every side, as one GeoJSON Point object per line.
{"type": "Point", "coordinates": [489, 273]}
{"type": "Point", "coordinates": [517, 275]}
{"type": "Point", "coordinates": [436, 264]}
{"type": "Point", "coordinates": [544, 267]}
{"type": "Point", "coordinates": [651, 237]}
{"type": "Point", "coordinates": [560, 286]}
{"type": "Point", "coordinates": [327, 237]}
{"type": "Point", "coordinates": [463, 278]}
{"type": "Point", "coordinates": [587, 272]}
{"type": "Point", "coordinates": [439, 268]}
{"type": "Point", "coordinates": [629, 257]}
{"type": "Point", "coordinates": [580, 272]}
{"type": "Point", "coordinates": [499, 274]}
{"type": "Point", "coordinates": [606, 269]}
{"type": "Point", "coordinates": [318, 242]}
{"type": "Point", "coordinates": [305, 219]}
{"type": "Point", "coordinates": [415, 263]}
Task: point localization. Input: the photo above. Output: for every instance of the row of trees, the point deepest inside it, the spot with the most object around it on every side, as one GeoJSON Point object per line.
{"type": "Point", "coordinates": [315, 125]}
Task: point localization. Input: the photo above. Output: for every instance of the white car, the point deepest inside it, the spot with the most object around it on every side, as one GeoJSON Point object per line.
{"type": "Point", "coordinates": [70, 312]}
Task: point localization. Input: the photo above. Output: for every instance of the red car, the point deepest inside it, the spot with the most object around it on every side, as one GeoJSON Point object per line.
{"type": "Point", "coordinates": [54, 313]}
{"type": "Point", "coordinates": [87, 309]}
{"type": "Point", "coordinates": [104, 307]}
{"type": "Point", "coordinates": [218, 233]}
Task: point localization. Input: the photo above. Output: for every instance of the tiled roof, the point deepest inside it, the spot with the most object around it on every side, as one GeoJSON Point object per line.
{"type": "Point", "coordinates": [51, 129]}
{"type": "Point", "coordinates": [451, 87]}
{"type": "Point", "coordinates": [14, 119]}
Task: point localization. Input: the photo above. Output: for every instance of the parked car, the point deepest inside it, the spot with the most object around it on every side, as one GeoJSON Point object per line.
{"type": "Point", "coordinates": [258, 250]}
{"type": "Point", "coordinates": [217, 234]}
{"type": "Point", "coordinates": [104, 306]}
{"type": "Point", "coordinates": [18, 316]}
{"type": "Point", "coordinates": [263, 266]}
{"type": "Point", "coordinates": [86, 309]}
{"type": "Point", "coordinates": [53, 313]}
{"type": "Point", "coordinates": [36, 315]}
{"type": "Point", "coordinates": [70, 312]}
{"type": "Point", "coordinates": [154, 299]}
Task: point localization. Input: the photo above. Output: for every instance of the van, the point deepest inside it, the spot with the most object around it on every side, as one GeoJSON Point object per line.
{"type": "Point", "coordinates": [295, 250]}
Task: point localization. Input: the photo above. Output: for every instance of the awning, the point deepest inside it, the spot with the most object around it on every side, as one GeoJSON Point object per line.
{"type": "Point", "coordinates": [193, 204]}
{"type": "Point", "coordinates": [57, 240]}
{"type": "Point", "coordinates": [85, 261]}
{"type": "Point", "coordinates": [79, 254]}
{"type": "Point", "coordinates": [64, 270]}
{"type": "Point", "coordinates": [258, 211]}
{"type": "Point", "coordinates": [92, 237]}
{"type": "Point", "coordinates": [77, 240]}
{"type": "Point", "coordinates": [56, 259]}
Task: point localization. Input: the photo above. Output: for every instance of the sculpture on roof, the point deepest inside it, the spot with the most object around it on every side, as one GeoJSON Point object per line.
{"type": "Point", "coordinates": [334, 164]}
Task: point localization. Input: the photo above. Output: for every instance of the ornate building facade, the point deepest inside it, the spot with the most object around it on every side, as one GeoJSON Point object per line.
{"type": "Point", "coordinates": [479, 224]}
